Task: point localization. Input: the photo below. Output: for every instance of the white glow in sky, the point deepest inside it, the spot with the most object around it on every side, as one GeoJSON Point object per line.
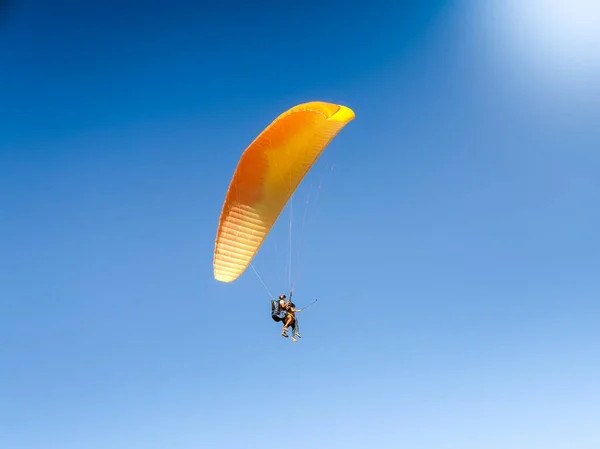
{"type": "Point", "coordinates": [553, 43]}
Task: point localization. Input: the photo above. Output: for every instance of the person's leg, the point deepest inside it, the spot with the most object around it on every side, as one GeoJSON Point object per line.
{"type": "Point", "coordinates": [293, 326]}
{"type": "Point", "coordinates": [286, 324]}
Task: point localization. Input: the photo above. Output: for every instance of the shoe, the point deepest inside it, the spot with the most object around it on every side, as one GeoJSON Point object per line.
{"type": "Point", "coordinates": [283, 334]}
{"type": "Point", "coordinates": [294, 340]}
{"type": "Point", "coordinates": [298, 335]}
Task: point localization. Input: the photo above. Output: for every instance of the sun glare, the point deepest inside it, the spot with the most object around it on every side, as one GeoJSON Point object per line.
{"type": "Point", "coordinates": [554, 43]}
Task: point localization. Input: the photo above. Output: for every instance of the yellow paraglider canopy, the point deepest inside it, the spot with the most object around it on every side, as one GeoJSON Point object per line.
{"type": "Point", "coordinates": [267, 175]}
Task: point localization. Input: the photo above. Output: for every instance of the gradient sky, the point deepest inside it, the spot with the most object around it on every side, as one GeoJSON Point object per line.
{"type": "Point", "coordinates": [450, 233]}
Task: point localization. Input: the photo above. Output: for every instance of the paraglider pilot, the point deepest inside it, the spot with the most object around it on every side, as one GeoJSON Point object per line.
{"type": "Point", "coordinates": [289, 319]}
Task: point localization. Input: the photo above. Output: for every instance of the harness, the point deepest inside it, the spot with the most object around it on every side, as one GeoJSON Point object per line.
{"type": "Point", "coordinates": [276, 309]}
{"type": "Point", "coordinates": [276, 315]}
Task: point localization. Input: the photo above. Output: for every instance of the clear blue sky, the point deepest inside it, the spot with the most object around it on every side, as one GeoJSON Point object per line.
{"type": "Point", "coordinates": [453, 246]}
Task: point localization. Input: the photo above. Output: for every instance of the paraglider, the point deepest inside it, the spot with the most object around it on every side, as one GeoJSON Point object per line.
{"type": "Point", "coordinates": [268, 173]}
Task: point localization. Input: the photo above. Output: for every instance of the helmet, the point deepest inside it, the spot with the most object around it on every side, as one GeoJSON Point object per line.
{"type": "Point", "coordinates": [281, 296]}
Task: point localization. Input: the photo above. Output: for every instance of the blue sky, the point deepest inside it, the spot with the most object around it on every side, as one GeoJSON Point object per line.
{"type": "Point", "coordinates": [451, 234]}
